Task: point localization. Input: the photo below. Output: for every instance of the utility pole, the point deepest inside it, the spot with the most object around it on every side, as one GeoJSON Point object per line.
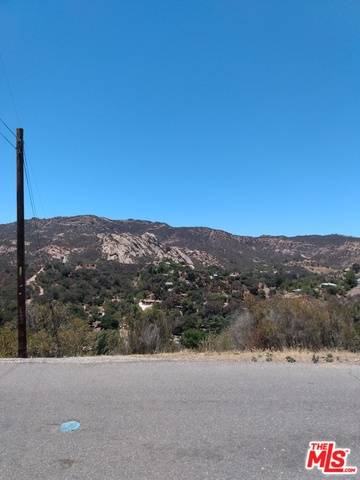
{"type": "Point", "coordinates": [20, 235]}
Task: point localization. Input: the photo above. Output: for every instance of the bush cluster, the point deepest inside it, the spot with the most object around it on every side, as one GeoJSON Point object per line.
{"type": "Point", "coordinates": [302, 322]}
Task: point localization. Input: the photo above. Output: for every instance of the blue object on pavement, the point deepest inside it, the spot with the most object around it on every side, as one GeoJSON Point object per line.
{"type": "Point", "coordinates": [69, 426]}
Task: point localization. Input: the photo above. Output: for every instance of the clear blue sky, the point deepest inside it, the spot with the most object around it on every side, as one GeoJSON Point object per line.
{"type": "Point", "coordinates": [239, 115]}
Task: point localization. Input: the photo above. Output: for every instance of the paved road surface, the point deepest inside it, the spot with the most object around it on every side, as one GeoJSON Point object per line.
{"type": "Point", "coordinates": [173, 420]}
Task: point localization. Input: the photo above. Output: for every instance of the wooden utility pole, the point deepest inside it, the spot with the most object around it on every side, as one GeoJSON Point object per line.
{"type": "Point", "coordinates": [21, 282]}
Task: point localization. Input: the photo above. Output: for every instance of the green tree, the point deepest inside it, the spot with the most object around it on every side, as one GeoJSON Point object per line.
{"type": "Point", "coordinates": [192, 338]}
{"type": "Point", "coordinates": [350, 279]}
{"type": "Point", "coordinates": [109, 322]}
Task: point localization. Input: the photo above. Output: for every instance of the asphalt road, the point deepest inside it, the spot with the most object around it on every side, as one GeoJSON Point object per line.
{"type": "Point", "coordinates": [173, 420]}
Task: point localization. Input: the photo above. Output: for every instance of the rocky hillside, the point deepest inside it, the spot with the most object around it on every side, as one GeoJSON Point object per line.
{"type": "Point", "coordinates": [89, 239]}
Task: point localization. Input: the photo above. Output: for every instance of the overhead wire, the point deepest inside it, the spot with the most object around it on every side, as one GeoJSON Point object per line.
{"type": "Point", "coordinates": [7, 127]}
{"type": "Point", "coordinates": [7, 140]}
{"type": "Point", "coordinates": [32, 199]}
{"type": "Point", "coordinates": [28, 183]}
{"type": "Point", "coordinates": [26, 161]}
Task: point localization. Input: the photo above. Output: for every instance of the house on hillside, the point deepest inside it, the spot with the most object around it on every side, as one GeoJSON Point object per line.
{"type": "Point", "coordinates": [147, 303]}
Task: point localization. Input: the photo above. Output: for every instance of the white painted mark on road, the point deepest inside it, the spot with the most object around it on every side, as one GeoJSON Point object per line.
{"type": "Point", "coordinates": [69, 426]}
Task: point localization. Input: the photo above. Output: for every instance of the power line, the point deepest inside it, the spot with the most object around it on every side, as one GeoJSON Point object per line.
{"type": "Point", "coordinates": [10, 130]}
{"type": "Point", "coordinates": [28, 180]}
{"type": "Point", "coordinates": [30, 190]}
{"type": "Point", "coordinates": [35, 189]}
{"type": "Point", "coordinates": [7, 140]}
{"type": "Point", "coordinates": [7, 126]}
{"type": "Point", "coordinates": [32, 199]}
{"type": "Point", "coordinates": [26, 162]}
{"type": "Point", "coordinates": [29, 183]}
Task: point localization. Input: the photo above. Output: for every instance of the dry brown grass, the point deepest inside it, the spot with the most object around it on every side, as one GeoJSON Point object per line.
{"type": "Point", "coordinates": [325, 357]}
{"type": "Point", "coordinates": [265, 356]}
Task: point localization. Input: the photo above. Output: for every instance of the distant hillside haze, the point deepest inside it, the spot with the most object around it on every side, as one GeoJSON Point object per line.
{"type": "Point", "coordinates": [89, 239]}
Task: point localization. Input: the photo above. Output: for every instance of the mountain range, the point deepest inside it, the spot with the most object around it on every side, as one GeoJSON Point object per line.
{"type": "Point", "coordinates": [88, 239]}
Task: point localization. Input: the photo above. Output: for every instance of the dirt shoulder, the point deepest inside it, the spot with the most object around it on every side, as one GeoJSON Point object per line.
{"type": "Point", "coordinates": [327, 357]}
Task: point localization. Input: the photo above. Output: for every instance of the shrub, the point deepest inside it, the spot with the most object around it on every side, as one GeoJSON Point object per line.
{"type": "Point", "coordinates": [303, 322]}
{"type": "Point", "coordinates": [108, 322]}
{"type": "Point", "coordinates": [329, 358]}
{"type": "Point", "coordinates": [293, 323]}
{"type": "Point", "coordinates": [315, 358]}
{"type": "Point", "coordinates": [41, 344]}
{"type": "Point", "coordinates": [8, 342]}
{"type": "Point", "coordinates": [268, 357]}
{"type": "Point", "coordinates": [350, 280]}
{"type": "Point", "coordinates": [192, 338]}
{"type": "Point", "coordinates": [76, 338]}
{"type": "Point", "coordinates": [149, 332]}
{"type": "Point", "coordinates": [217, 342]}
{"type": "Point", "coordinates": [102, 346]}
{"type": "Point", "coordinates": [73, 339]}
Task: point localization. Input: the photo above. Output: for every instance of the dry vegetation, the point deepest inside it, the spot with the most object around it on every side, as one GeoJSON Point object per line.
{"type": "Point", "coordinates": [291, 330]}
{"type": "Point", "coordinates": [324, 357]}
